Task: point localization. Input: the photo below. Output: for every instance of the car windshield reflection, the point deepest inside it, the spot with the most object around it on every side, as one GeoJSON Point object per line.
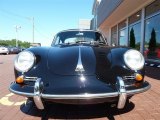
{"type": "Point", "coordinates": [77, 37]}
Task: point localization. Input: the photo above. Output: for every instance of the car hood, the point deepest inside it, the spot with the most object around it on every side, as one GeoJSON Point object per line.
{"type": "Point", "coordinates": [72, 60]}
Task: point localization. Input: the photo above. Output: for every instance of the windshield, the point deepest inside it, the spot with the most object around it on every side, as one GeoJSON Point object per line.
{"type": "Point", "coordinates": [73, 37]}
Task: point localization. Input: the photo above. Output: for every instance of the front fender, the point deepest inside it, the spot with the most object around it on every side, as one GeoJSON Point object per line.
{"type": "Point", "coordinates": [40, 67]}
{"type": "Point", "coordinates": [119, 68]}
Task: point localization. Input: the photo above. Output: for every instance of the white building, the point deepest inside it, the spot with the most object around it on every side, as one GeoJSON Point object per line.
{"type": "Point", "coordinates": [118, 19]}
{"type": "Point", "coordinates": [84, 23]}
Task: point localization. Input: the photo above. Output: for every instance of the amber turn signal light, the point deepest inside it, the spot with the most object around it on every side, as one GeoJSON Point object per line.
{"type": "Point", "coordinates": [139, 77]}
{"type": "Point", "coordinates": [20, 79]}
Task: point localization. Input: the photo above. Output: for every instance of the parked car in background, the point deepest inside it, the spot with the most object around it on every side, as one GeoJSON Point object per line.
{"type": "Point", "coordinates": [21, 49]}
{"type": "Point", "coordinates": [79, 68]}
{"type": "Point", "coordinates": [4, 50]}
{"type": "Point", "coordinates": [152, 54]}
{"type": "Point", "coordinates": [14, 50]}
{"type": "Point", "coordinates": [35, 45]}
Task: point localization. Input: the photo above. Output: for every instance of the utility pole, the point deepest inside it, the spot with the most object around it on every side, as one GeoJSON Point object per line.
{"type": "Point", "coordinates": [33, 30]}
{"type": "Point", "coordinates": [17, 27]}
{"type": "Point", "coordinates": [32, 20]}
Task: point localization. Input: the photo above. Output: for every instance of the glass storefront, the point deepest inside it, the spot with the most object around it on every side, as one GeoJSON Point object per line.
{"type": "Point", "coordinates": [114, 41]}
{"type": "Point", "coordinates": [152, 8]}
{"type": "Point", "coordinates": [135, 36]}
{"type": "Point", "coordinates": [130, 34]}
{"type": "Point", "coordinates": [152, 38]}
{"type": "Point", "coordinates": [152, 31]}
{"type": "Point", "coordinates": [135, 17]}
{"type": "Point", "coordinates": [122, 34]}
{"type": "Point", "coordinates": [135, 30]}
{"type": "Point", "coordinates": [122, 37]}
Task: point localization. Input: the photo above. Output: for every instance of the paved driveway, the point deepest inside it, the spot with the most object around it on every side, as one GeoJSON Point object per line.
{"type": "Point", "coordinates": [144, 106]}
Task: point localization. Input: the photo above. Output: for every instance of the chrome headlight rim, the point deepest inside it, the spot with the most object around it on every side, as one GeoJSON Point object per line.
{"type": "Point", "coordinates": [26, 70]}
{"type": "Point", "coordinates": [139, 65]}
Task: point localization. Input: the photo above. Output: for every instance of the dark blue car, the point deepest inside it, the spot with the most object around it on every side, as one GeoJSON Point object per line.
{"type": "Point", "coordinates": [79, 68]}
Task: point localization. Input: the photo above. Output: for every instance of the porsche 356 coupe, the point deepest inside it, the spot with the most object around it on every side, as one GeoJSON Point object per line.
{"type": "Point", "coordinates": [79, 68]}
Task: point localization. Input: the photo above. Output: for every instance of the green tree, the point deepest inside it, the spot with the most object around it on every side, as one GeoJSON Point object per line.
{"type": "Point", "coordinates": [132, 39]}
{"type": "Point", "coordinates": [152, 41]}
{"type": "Point", "coordinates": [13, 43]}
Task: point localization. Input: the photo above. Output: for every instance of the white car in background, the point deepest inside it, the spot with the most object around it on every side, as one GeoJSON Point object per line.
{"type": "Point", "coordinates": [4, 50]}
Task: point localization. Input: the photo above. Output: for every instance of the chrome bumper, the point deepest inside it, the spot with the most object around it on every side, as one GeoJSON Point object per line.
{"type": "Point", "coordinates": [121, 93]}
{"type": "Point", "coordinates": [38, 87]}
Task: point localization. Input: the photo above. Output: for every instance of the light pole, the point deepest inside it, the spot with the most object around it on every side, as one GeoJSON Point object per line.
{"type": "Point", "coordinates": [17, 27]}
{"type": "Point", "coordinates": [33, 29]}
{"type": "Point", "coordinates": [32, 20]}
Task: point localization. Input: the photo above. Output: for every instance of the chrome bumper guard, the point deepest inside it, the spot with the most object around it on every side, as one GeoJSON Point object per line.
{"type": "Point", "coordinates": [38, 87]}
{"type": "Point", "coordinates": [121, 92]}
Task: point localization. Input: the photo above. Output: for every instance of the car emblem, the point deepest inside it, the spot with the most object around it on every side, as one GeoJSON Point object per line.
{"type": "Point", "coordinates": [79, 67]}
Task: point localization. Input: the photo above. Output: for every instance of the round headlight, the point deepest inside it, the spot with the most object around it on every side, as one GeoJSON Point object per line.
{"type": "Point", "coordinates": [134, 59]}
{"type": "Point", "coordinates": [24, 61]}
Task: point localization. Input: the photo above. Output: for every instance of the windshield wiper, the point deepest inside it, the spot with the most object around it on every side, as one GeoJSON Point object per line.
{"type": "Point", "coordinates": [67, 43]}
{"type": "Point", "coordinates": [101, 42]}
{"type": "Point", "coordinates": [82, 41]}
{"type": "Point", "coordinates": [97, 43]}
{"type": "Point", "coordinates": [91, 42]}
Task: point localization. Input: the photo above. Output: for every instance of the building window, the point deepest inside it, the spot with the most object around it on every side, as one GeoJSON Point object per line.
{"type": "Point", "coordinates": [135, 30]}
{"type": "Point", "coordinates": [152, 38]}
{"type": "Point", "coordinates": [95, 22]}
{"type": "Point", "coordinates": [135, 36]}
{"type": "Point", "coordinates": [135, 17]}
{"type": "Point", "coordinates": [122, 24]}
{"type": "Point", "coordinates": [152, 31]}
{"type": "Point", "coordinates": [123, 37]}
{"type": "Point", "coordinates": [122, 34]}
{"type": "Point", "coordinates": [153, 8]}
{"type": "Point", "coordinates": [114, 36]}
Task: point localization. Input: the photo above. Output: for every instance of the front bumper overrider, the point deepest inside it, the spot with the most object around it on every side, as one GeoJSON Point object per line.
{"type": "Point", "coordinates": [36, 93]}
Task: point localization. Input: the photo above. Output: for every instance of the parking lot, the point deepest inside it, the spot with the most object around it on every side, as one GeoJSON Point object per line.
{"type": "Point", "coordinates": [144, 106]}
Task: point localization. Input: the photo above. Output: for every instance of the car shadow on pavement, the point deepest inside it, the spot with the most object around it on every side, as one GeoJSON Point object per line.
{"type": "Point", "coordinates": [66, 111]}
{"type": "Point", "coordinates": [153, 72]}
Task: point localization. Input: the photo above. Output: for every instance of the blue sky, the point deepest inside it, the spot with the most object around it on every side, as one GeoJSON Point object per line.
{"type": "Point", "coordinates": [50, 17]}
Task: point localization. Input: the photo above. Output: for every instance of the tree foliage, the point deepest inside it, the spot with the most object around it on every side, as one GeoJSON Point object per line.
{"type": "Point", "coordinates": [152, 41]}
{"type": "Point", "coordinates": [132, 39]}
{"type": "Point", "coordinates": [13, 43]}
